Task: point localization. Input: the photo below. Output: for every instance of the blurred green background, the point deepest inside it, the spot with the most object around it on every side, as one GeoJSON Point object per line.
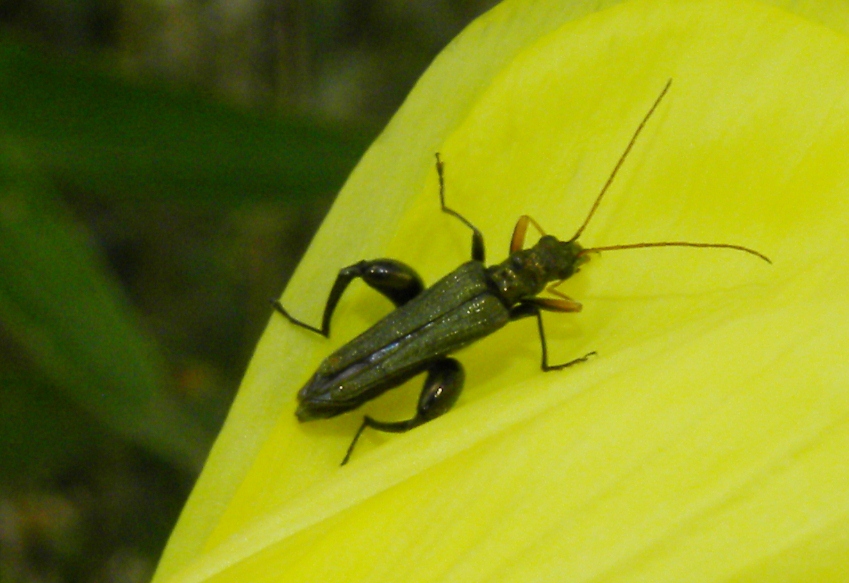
{"type": "Point", "coordinates": [163, 165]}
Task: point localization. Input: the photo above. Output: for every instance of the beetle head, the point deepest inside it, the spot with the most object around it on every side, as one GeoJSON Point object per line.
{"type": "Point", "coordinates": [570, 257]}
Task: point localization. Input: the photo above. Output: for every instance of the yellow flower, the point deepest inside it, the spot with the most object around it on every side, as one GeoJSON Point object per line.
{"type": "Point", "coordinates": [707, 441]}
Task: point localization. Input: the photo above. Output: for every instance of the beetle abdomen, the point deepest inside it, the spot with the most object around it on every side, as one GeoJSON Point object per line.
{"type": "Point", "coordinates": [334, 390]}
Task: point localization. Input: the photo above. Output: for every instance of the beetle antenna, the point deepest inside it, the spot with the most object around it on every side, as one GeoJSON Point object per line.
{"type": "Point", "coordinates": [677, 244]}
{"type": "Point", "coordinates": [621, 160]}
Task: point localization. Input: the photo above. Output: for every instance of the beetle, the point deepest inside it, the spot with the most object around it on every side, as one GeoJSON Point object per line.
{"type": "Point", "coordinates": [429, 324]}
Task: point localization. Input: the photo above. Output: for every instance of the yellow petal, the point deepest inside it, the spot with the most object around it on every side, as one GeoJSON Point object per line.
{"type": "Point", "coordinates": [706, 442]}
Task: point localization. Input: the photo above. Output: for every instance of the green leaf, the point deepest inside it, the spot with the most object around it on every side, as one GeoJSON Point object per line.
{"type": "Point", "coordinates": [97, 132]}
{"type": "Point", "coordinates": [69, 324]}
{"type": "Point", "coordinates": [41, 431]}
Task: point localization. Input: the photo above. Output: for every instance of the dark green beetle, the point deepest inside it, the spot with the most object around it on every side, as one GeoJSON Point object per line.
{"type": "Point", "coordinates": [429, 324]}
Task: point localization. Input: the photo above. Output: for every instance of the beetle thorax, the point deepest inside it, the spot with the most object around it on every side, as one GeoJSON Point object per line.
{"type": "Point", "coordinates": [525, 273]}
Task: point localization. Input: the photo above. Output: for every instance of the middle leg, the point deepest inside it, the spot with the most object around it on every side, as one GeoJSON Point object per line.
{"type": "Point", "coordinates": [534, 307]}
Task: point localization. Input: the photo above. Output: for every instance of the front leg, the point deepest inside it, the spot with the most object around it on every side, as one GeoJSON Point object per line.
{"type": "Point", "coordinates": [534, 307]}
{"type": "Point", "coordinates": [397, 281]}
{"type": "Point", "coordinates": [442, 387]}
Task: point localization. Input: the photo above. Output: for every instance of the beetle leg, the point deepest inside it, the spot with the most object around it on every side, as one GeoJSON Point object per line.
{"type": "Point", "coordinates": [478, 249]}
{"type": "Point", "coordinates": [441, 390]}
{"type": "Point", "coordinates": [517, 241]}
{"type": "Point", "coordinates": [552, 289]}
{"type": "Point", "coordinates": [397, 281]}
{"type": "Point", "coordinates": [534, 307]}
